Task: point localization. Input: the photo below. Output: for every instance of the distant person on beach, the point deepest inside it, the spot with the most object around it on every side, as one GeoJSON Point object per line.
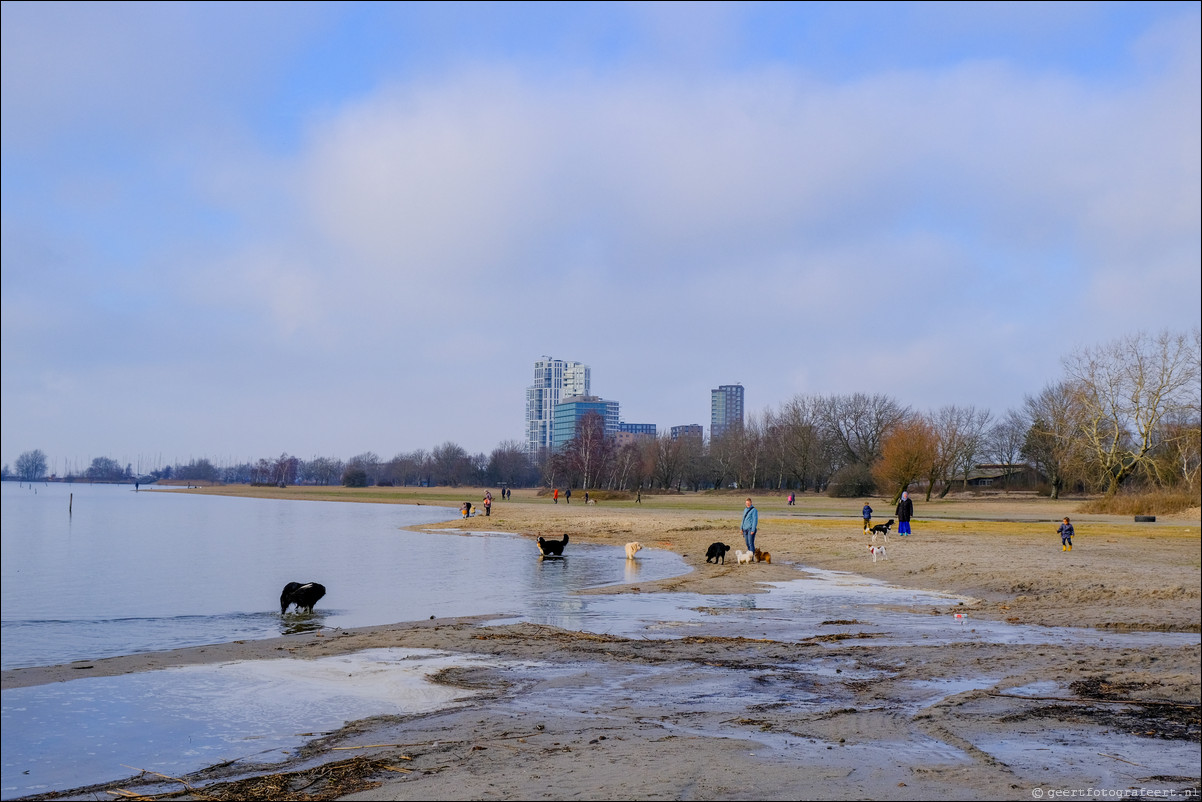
{"type": "Point", "coordinates": [751, 522]}
{"type": "Point", "coordinates": [487, 503]}
{"type": "Point", "coordinates": [586, 497]}
{"type": "Point", "coordinates": [555, 495]}
{"type": "Point", "coordinates": [1065, 530]}
{"type": "Point", "coordinates": [905, 509]}
{"type": "Point", "coordinates": [567, 495]}
{"type": "Point", "coordinates": [867, 513]}
{"type": "Point", "coordinates": [791, 499]}
{"type": "Point", "coordinates": [638, 495]}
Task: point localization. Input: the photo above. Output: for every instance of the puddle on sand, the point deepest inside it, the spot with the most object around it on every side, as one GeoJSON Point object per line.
{"type": "Point", "coordinates": [818, 604]}
{"type": "Point", "coordinates": [178, 720]}
{"type": "Point", "coordinates": [1093, 758]}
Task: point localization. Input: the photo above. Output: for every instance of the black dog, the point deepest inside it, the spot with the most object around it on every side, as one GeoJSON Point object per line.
{"type": "Point", "coordinates": [717, 552]}
{"type": "Point", "coordinates": [882, 529]}
{"type": "Point", "coordinates": [552, 548]}
{"type": "Point", "coordinates": [303, 596]}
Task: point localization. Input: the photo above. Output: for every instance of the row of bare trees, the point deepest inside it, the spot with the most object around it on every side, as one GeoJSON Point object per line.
{"type": "Point", "coordinates": [1127, 412]}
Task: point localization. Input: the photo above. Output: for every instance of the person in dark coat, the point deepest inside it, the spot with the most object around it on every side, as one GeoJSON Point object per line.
{"type": "Point", "coordinates": [905, 510]}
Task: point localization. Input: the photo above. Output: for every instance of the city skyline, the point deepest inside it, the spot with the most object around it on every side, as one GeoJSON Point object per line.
{"type": "Point", "coordinates": [232, 231]}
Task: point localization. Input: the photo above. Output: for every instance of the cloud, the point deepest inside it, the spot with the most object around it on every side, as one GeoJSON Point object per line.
{"type": "Point", "coordinates": [937, 231]}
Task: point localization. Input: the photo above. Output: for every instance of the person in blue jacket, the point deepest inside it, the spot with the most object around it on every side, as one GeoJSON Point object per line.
{"type": "Point", "coordinates": [751, 522]}
{"type": "Point", "coordinates": [1065, 530]}
{"type": "Point", "coordinates": [867, 513]}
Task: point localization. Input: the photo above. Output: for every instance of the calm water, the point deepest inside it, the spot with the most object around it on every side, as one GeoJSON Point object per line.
{"type": "Point", "coordinates": [135, 572]}
{"type": "Point", "coordinates": [130, 572]}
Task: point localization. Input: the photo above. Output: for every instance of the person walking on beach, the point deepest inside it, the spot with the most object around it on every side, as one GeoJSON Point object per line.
{"type": "Point", "coordinates": [567, 495]}
{"type": "Point", "coordinates": [1065, 531]}
{"type": "Point", "coordinates": [751, 522]}
{"type": "Point", "coordinates": [638, 495]}
{"type": "Point", "coordinates": [867, 513]}
{"type": "Point", "coordinates": [905, 509]}
{"type": "Point", "coordinates": [555, 495]}
{"type": "Point", "coordinates": [487, 503]}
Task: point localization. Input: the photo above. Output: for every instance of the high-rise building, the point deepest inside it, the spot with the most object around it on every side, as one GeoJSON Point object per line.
{"type": "Point", "coordinates": [570, 410]}
{"type": "Point", "coordinates": [726, 409]}
{"type": "Point", "coordinates": [554, 380]}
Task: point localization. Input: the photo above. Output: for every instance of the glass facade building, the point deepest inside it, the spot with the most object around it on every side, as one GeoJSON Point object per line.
{"type": "Point", "coordinates": [569, 412]}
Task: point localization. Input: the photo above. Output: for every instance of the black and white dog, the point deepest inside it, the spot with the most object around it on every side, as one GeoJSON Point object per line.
{"type": "Point", "coordinates": [881, 529]}
{"type": "Point", "coordinates": [552, 548]}
{"type": "Point", "coordinates": [303, 596]}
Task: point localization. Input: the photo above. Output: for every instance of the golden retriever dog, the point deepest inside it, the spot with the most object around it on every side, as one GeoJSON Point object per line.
{"type": "Point", "coordinates": [631, 548]}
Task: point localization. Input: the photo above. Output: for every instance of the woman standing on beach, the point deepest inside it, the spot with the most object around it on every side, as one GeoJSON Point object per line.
{"type": "Point", "coordinates": [751, 522]}
{"type": "Point", "coordinates": [905, 510]}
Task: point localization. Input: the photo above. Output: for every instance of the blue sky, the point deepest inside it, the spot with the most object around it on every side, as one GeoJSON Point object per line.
{"type": "Point", "coordinates": [236, 230]}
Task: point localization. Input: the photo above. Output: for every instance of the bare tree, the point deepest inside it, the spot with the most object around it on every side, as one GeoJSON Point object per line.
{"type": "Point", "coordinates": [859, 423]}
{"type": "Point", "coordinates": [509, 465]}
{"type": "Point", "coordinates": [669, 462]}
{"type": "Point", "coordinates": [31, 465]}
{"type": "Point", "coordinates": [451, 465]}
{"type": "Point", "coordinates": [798, 440]}
{"type": "Point", "coordinates": [590, 452]}
{"type": "Point", "coordinates": [1004, 443]}
{"type": "Point", "coordinates": [322, 470]}
{"type": "Point", "coordinates": [961, 440]}
{"type": "Point", "coordinates": [1052, 442]}
{"type": "Point", "coordinates": [1126, 390]}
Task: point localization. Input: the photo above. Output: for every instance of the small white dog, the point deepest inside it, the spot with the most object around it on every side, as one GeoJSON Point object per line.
{"type": "Point", "coordinates": [878, 551]}
{"type": "Point", "coordinates": [745, 556]}
{"type": "Point", "coordinates": [631, 548]}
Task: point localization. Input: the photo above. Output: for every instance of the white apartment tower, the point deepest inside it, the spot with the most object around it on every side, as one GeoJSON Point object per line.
{"type": "Point", "coordinates": [554, 380]}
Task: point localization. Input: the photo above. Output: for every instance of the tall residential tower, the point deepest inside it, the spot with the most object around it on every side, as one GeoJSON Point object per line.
{"type": "Point", "coordinates": [726, 409]}
{"type": "Point", "coordinates": [554, 380]}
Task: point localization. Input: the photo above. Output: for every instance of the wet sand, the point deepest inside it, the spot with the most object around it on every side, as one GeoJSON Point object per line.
{"type": "Point", "coordinates": [733, 708]}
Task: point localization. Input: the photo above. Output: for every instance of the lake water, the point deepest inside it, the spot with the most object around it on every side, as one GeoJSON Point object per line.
{"type": "Point", "coordinates": [127, 572]}
{"type": "Point", "coordinates": [132, 572]}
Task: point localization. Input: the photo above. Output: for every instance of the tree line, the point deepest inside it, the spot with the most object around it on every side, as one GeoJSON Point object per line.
{"type": "Point", "coordinates": [1125, 413]}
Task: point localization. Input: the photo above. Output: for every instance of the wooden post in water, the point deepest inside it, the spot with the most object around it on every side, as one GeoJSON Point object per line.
{"type": "Point", "coordinates": [70, 504]}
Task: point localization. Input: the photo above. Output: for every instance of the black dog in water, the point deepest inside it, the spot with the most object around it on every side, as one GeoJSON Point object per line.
{"type": "Point", "coordinates": [552, 548]}
{"type": "Point", "coordinates": [717, 552]}
{"type": "Point", "coordinates": [303, 596]}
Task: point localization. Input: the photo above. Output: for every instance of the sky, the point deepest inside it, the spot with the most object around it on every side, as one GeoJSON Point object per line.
{"type": "Point", "coordinates": [232, 231]}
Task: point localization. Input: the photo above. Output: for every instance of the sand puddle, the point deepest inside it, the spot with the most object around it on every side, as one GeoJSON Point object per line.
{"type": "Point", "coordinates": [817, 710]}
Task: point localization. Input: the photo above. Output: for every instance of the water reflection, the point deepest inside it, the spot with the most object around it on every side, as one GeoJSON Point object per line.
{"type": "Point", "coordinates": [134, 572]}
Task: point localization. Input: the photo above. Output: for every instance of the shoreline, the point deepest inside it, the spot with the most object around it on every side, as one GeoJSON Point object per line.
{"type": "Point", "coordinates": [835, 714]}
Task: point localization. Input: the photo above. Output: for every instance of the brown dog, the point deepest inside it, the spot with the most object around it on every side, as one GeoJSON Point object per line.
{"type": "Point", "coordinates": [762, 556]}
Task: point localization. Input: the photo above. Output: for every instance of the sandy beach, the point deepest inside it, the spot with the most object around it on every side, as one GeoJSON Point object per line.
{"type": "Point", "coordinates": [740, 707]}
